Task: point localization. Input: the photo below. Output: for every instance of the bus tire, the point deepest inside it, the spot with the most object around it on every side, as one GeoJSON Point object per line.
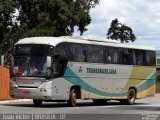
{"type": "Point", "coordinates": [37, 103]}
{"type": "Point", "coordinates": [131, 96]}
{"type": "Point", "coordinates": [72, 98]}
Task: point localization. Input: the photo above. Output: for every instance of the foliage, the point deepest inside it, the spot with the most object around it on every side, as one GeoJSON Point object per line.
{"type": "Point", "coordinates": [118, 31]}
{"type": "Point", "coordinates": [29, 18]}
{"type": "Point", "coordinates": [7, 26]}
{"type": "Point", "coordinates": [54, 17]}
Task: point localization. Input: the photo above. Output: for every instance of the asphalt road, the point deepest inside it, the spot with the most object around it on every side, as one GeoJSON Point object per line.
{"type": "Point", "coordinates": [143, 109]}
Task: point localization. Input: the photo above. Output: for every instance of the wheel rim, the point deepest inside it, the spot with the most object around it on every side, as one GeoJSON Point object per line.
{"type": "Point", "coordinates": [74, 98]}
{"type": "Point", "coordinates": [131, 96]}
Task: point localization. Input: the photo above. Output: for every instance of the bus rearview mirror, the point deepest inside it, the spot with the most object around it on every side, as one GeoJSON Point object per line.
{"type": "Point", "coordinates": [48, 61]}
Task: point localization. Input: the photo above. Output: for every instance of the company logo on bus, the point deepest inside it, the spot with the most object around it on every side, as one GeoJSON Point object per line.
{"type": "Point", "coordinates": [80, 69]}
{"type": "Point", "coordinates": [101, 71]}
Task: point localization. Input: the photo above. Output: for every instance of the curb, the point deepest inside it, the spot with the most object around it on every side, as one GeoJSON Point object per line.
{"type": "Point", "coordinates": [15, 101]}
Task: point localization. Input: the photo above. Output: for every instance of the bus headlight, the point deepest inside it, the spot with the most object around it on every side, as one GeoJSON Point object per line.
{"type": "Point", "coordinates": [43, 90]}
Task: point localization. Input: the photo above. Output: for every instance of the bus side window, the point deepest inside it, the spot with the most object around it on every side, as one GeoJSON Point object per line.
{"type": "Point", "coordinates": [107, 58]}
{"type": "Point", "coordinates": [134, 58]}
{"type": "Point", "coordinates": [84, 56]}
{"type": "Point", "coordinates": [59, 64]}
{"type": "Point", "coordinates": [94, 54]}
{"type": "Point", "coordinates": [149, 58]}
{"type": "Point", "coordinates": [63, 64]}
{"type": "Point", "coordinates": [78, 52]}
{"type": "Point", "coordinates": [55, 66]}
{"type": "Point", "coordinates": [139, 57]}
{"type": "Point", "coordinates": [60, 61]}
{"type": "Point", "coordinates": [113, 55]}
{"type": "Point", "coordinates": [127, 56]}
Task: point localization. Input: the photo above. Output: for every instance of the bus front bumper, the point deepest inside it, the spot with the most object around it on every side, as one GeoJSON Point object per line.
{"type": "Point", "coordinates": [35, 93]}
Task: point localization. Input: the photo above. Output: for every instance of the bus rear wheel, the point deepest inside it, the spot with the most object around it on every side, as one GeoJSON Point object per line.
{"type": "Point", "coordinates": [131, 96]}
{"type": "Point", "coordinates": [37, 103]}
{"type": "Point", "coordinates": [72, 98]}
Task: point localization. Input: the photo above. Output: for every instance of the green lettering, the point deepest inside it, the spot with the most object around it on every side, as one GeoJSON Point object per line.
{"type": "Point", "coordinates": [101, 71]}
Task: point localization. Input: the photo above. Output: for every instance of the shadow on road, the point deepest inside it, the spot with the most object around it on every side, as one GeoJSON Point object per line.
{"type": "Point", "coordinates": [63, 104]}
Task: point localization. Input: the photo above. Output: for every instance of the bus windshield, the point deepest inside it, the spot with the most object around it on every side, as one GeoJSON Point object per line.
{"type": "Point", "coordinates": [30, 60]}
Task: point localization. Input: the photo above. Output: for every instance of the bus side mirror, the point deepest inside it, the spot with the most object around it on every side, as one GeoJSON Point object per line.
{"type": "Point", "coordinates": [49, 61]}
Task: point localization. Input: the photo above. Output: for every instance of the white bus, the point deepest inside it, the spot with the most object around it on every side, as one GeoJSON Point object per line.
{"type": "Point", "coordinates": [65, 69]}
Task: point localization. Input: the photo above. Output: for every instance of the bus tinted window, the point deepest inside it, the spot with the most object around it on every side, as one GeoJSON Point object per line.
{"type": "Point", "coordinates": [107, 57]}
{"type": "Point", "coordinates": [105, 54]}
{"type": "Point", "coordinates": [31, 50]}
{"type": "Point", "coordinates": [78, 52]}
{"type": "Point", "coordinates": [60, 49]}
{"type": "Point", "coordinates": [150, 58]}
{"type": "Point", "coordinates": [112, 55]}
{"type": "Point", "coordinates": [139, 57]}
{"type": "Point", "coordinates": [21, 50]}
{"type": "Point", "coordinates": [95, 54]}
{"type": "Point", "coordinates": [127, 56]}
{"type": "Point", "coordinates": [64, 50]}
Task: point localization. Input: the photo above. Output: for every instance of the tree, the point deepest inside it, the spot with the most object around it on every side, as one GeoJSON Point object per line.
{"type": "Point", "coordinates": [7, 8]}
{"type": "Point", "coordinates": [54, 17]}
{"type": "Point", "coordinates": [118, 31]}
{"type": "Point", "coordinates": [42, 18]}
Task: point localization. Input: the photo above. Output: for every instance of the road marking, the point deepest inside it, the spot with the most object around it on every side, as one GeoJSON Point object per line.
{"type": "Point", "coordinates": [15, 101]}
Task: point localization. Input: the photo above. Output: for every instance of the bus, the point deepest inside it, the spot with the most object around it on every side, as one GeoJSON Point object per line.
{"type": "Point", "coordinates": [64, 69]}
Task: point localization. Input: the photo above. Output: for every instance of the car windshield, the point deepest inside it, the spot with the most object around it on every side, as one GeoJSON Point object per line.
{"type": "Point", "coordinates": [30, 60]}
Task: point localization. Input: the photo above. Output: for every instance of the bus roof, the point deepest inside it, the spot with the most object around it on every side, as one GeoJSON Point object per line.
{"type": "Point", "coordinates": [56, 40]}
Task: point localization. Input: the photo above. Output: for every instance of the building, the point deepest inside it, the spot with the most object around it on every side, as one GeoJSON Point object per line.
{"type": "Point", "coordinates": [158, 63]}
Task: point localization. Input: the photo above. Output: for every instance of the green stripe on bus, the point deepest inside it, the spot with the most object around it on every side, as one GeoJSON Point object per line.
{"type": "Point", "coordinates": [148, 83]}
{"type": "Point", "coordinates": [71, 77]}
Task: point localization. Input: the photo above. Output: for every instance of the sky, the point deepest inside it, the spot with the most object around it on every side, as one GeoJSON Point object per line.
{"type": "Point", "coordinates": [143, 16]}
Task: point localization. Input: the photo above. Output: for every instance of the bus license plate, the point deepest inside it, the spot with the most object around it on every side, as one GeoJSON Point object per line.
{"type": "Point", "coordinates": [26, 92]}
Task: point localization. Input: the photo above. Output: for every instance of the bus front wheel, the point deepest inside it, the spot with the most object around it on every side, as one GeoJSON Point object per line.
{"type": "Point", "coordinates": [37, 103]}
{"type": "Point", "coordinates": [72, 98]}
